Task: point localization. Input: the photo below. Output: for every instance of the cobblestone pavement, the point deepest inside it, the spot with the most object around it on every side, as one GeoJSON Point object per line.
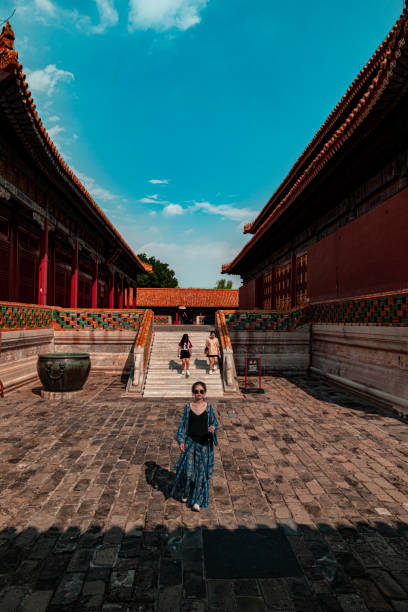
{"type": "Point", "coordinates": [86, 522]}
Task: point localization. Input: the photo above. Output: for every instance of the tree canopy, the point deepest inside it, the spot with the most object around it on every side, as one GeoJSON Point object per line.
{"type": "Point", "coordinates": [162, 275]}
{"type": "Point", "coordinates": [223, 284]}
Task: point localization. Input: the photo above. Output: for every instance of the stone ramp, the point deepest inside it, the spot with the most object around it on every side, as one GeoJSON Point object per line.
{"type": "Point", "coordinates": [164, 377]}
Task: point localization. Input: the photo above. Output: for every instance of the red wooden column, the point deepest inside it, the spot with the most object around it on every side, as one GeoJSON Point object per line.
{"type": "Point", "coordinates": [112, 291]}
{"type": "Point", "coordinates": [94, 298]}
{"type": "Point", "coordinates": [13, 262]}
{"type": "Point", "coordinates": [120, 305]}
{"type": "Point", "coordinates": [43, 266]}
{"type": "Point", "coordinates": [51, 270]}
{"type": "Point", "coordinates": [293, 282]}
{"type": "Point", "coordinates": [74, 276]}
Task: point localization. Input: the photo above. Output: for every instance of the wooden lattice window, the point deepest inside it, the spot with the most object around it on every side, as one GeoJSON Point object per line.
{"type": "Point", "coordinates": [301, 280]}
{"type": "Point", "coordinates": [267, 291]}
{"type": "Point", "coordinates": [282, 286]}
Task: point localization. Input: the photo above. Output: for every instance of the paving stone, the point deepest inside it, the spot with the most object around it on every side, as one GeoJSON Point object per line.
{"type": "Point", "coordinates": [220, 595]}
{"type": "Point", "coordinates": [352, 603]}
{"type": "Point", "coordinates": [372, 596]}
{"type": "Point", "coordinates": [36, 602]}
{"type": "Point", "coordinates": [105, 556]}
{"type": "Point", "coordinates": [169, 599]}
{"type": "Point", "coordinates": [11, 598]}
{"type": "Point", "coordinates": [81, 560]}
{"type": "Point", "coordinates": [246, 587]}
{"type": "Point", "coordinates": [387, 585]}
{"type": "Point", "coordinates": [92, 595]}
{"type": "Point", "coordinates": [170, 572]}
{"type": "Point", "coordinates": [250, 604]}
{"type": "Point", "coordinates": [68, 589]}
{"type": "Point", "coordinates": [121, 585]}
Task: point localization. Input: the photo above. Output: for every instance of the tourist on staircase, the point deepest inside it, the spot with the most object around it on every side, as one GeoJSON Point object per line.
{"type": "Point", "coordinates": [184, 353]}
{"type": "Point", "coordinates": [212, 350]}
{"type": "Point", "coordinates": [196, 435]}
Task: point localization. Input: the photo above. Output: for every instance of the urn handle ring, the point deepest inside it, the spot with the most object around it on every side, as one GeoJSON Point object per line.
{"type": "Point", "coordinates": [55, 371]}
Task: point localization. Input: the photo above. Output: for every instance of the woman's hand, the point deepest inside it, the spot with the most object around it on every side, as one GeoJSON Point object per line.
{"type": "Point", "coordinates": [211, 429]}
{"type": "Point", "coordinates": [182, 447]}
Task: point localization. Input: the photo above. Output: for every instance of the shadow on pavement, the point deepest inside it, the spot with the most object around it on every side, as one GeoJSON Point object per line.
{"type": "Point", "coordinates": [290, 567]}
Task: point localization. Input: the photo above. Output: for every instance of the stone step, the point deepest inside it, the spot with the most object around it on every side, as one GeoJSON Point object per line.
{"type": "Point", "coordinates": [164, 378]}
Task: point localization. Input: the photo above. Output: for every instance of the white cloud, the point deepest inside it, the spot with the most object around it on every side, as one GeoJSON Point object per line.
{"type": "Point", "coordinates": [54, 118]}
{"type": "Point", "coordinates": [225, 210]}
{"type": "Point", "coordinates": [55, 130]}
{"type": "Point", "coordinates": [163, 15]}
{"type": "Point", "coordinates": [189, 231]}
{"type": "Point", "coordinates": [154, 196]}
{"type": "Point", "coordinates": [159, 181]}
{"type": "Point", "coordinates": [46, 80]}
{"type": "Point", "coordinates": [173, 209]}
{"type": "Point", "coordinates": [152, 213]}
{"type": "Point", "coordinates": [96, 191]}
{"type": "Point", "coordinates": [108, 16]}
{"type": "Point", "coordinates": [46, 6]}
{"type": "Point", "coordinates": [149, 200]}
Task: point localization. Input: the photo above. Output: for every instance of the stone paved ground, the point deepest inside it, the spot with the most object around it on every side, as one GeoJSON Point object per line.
{"type": "Point", "coordinates": [85, 523]}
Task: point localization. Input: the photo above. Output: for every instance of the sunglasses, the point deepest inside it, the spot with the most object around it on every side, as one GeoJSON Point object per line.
{"type": "Point", "coordinates": [199, 391]}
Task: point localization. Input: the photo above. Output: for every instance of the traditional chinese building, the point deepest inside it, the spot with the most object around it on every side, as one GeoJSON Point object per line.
{"type": "Point", "coordinates": [187, 306]}
{"type": "Point", "coordinates": [57, 247]}
{"type": "Point", "coordinates": [336, 227]}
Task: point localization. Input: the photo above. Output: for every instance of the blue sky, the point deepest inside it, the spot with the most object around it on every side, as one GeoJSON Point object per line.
{"type": "Point", "coordinates": [182, 117]}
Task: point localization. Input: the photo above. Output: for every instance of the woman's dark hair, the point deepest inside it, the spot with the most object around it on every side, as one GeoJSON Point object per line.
{"type": "Point", "coordinates": [212, 332]}
{"type": "Point", "coordinates": [198, 382]}
{"type": "Point", "coordinates": [184, 339]}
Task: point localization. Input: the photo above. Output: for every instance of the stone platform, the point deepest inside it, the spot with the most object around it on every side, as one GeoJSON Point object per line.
{"type": "Point", "coordinates": [86, 522]}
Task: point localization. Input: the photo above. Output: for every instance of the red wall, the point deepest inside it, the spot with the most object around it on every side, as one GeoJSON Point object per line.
{"type": "Point", "coordinates": [368, 255]}
{"type": "Point", "coordinates": [247, 295]}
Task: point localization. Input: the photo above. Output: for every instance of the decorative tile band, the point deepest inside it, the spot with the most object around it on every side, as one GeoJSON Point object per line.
{"type": "Point", "coordinates": [97, 319]}
{"type": "Point", "coordinates": [161, 320]}
{"type": "Point", "coordinates": [24, 317]}
{"type": "Point", "coordinates": [389, 309]}
{"type": "Point", "coordinates": [27, 316]}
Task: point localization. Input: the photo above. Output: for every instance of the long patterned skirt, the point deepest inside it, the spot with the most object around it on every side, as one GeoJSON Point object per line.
{"type": "Point", "coordinates": [193, 473]}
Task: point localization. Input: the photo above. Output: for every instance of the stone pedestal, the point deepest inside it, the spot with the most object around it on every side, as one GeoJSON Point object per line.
{"type": "Point", "coordinates": [61, 395]}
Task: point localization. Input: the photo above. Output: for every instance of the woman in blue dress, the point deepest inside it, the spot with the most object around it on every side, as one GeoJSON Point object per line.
{"type": "Point", "coordinates": [196, 435]}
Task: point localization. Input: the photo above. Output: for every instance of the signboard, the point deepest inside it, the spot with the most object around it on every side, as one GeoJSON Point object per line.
{"type": "Point", "coordinates": [253, 367]}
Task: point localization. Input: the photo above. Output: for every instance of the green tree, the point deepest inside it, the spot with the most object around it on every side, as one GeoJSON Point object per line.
{"type": "Point", "coordinates": [161, 276]}
{"type": "Point", "coordinates": [223, 284]}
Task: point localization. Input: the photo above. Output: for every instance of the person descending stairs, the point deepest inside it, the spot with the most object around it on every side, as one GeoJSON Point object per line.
{"type": "Point", "coordinates": [164, 377]}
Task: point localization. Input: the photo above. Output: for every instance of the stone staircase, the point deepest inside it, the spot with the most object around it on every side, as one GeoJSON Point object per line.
{"type": "Point", "coordinates": [163, 371]}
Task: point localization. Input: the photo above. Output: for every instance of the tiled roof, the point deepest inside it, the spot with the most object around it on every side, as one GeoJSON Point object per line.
{"type": "Point", "coordinates": [9, 65]}
{"type": "Point", "coordinates": [380, 76]}
{"type": "Point", "coordinates": [197, 298]}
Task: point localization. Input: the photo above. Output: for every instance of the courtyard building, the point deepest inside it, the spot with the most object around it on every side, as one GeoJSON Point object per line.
{"type": "Point", "coordinates": [57, 247]}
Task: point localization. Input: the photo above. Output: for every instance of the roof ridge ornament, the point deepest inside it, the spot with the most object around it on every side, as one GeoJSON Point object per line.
{"type": "Point", "coordinates": [8, 56]}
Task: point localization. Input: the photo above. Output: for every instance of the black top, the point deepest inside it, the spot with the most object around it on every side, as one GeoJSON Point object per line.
{"type": "Point", "coordinates": [198, 427]}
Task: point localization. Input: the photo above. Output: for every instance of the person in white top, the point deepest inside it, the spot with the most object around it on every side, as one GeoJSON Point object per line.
{"type": "Point", "coordinates": [212, 350]}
